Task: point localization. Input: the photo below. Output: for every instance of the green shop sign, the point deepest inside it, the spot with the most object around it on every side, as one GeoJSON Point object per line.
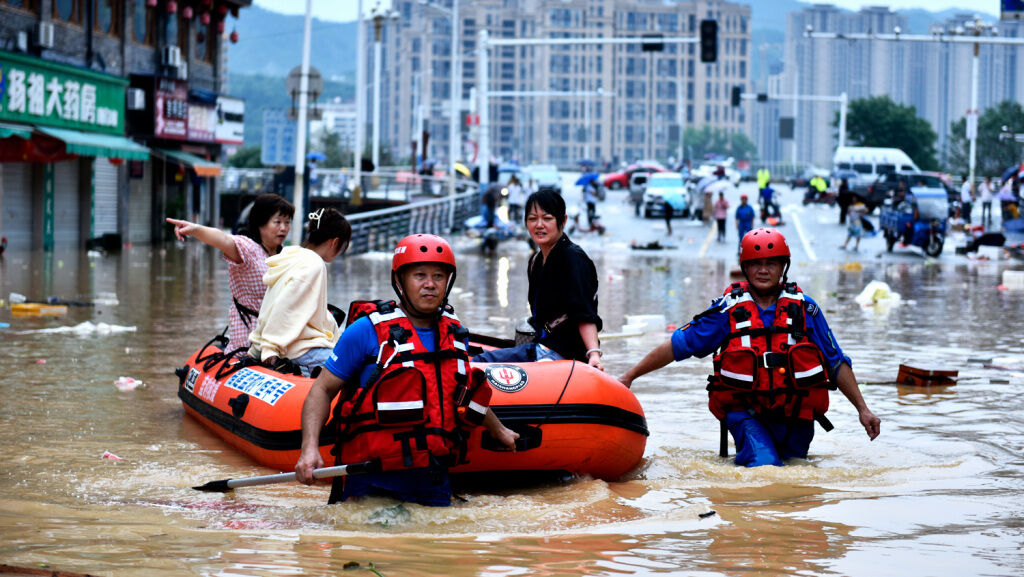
{"type": "Point", "coordinates": [36, 91]}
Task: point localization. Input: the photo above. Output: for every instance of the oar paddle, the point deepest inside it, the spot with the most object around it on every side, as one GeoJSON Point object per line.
{"type": "Point", "coordinates": [225, 485]}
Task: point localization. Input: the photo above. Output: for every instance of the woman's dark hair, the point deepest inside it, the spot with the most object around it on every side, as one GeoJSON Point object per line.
{"type": "Point", "coordinates": [263, 209]}
{"type": "Point", "coordinates": [550, 202]}
{"type": "Point", "coordinates": [329, 224]}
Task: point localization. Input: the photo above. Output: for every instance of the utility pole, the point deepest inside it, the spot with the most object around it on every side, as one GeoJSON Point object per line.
{"type": "Point", "coordinates": [300, 146]}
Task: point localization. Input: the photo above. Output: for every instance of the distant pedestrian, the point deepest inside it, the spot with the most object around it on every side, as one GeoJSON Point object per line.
{"type": "Point", "coordinates": [769, 208]}
{"type": "Point", "coordinates": [986, 193]}
{"type": "Point", "coordinates": [669, 213]}
{"type": "Point", "coordinates": [845, 199]}
{"type": "Point", "coordinates": [744, 218]}
{"type": "Point", "coordinates": [721, 211]}
{"type": "Point", "coordinates": [966, 199]}
{"type": "Point", "coordinates": [516, 199]}
{"type": "Point", "coordinates": [855, 229]}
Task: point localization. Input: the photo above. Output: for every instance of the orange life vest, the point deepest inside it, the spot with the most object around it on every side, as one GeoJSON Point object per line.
{"type": "Point", "coordinates": [774, 371]}
{"type": "Point", "coordinates": [416, 403]}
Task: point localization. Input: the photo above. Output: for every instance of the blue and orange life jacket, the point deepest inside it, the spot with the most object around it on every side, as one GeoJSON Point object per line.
{"type": "Point", "coordinates": [416, 405]}
{"type": "Point", "coordinates": [775, 371]}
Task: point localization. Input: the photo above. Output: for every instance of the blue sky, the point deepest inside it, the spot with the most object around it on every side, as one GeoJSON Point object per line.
{"type": "Point", "coordinates": [345, 10]}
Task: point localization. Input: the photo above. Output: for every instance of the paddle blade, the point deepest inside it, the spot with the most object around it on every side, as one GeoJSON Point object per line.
{"type": "Point", "coordinates": [220, 486]}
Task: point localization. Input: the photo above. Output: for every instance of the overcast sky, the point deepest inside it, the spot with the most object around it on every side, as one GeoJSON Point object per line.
{"type": "Point", "coordinates": [345, 10]}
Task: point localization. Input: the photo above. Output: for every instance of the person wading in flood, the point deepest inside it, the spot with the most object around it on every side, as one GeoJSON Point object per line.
{"type": "Point", "coordinates": [775, 359]}
{"type": "Point", "coordinates": [407, 398]}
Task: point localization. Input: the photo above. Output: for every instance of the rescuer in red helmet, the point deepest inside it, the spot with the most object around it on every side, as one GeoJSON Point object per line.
{"type": "Point", "coordinates": [775, 359]}
{"type": "Point", "coordinates": [408, 396]}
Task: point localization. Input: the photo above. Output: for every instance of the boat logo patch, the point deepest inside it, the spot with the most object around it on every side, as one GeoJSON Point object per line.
{"type": "Point", "coordinates": [507, 378]}
{"type": "Point", "coordinates": [190, 382]}
{"type": "Point", "coordinates": [264, 387]}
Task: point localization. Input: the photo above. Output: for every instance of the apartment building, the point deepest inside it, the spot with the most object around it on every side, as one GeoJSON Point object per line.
{"type": "Point", "coordinates": [935, 78]}
{"type": "Point", "coordinates": [560, 104]}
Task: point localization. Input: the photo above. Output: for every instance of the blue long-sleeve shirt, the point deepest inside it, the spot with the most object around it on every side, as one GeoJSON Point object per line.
{"type": "Point", "coordinates": [703, 336]}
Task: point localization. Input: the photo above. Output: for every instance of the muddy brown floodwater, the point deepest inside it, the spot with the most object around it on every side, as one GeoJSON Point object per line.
{"type": "Point", "coordinates": [938, 493]}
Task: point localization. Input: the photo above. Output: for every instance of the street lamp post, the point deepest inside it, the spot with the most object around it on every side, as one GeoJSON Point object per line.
{"type": "Point", "coordinates": [455, 94]}
{"type": "Point", "coordinates": [378, 24]}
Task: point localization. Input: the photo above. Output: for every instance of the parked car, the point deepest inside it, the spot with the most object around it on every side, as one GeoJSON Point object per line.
{"type": "Point", "coordinates": [666, 187]}
{"type": "Point", "coordinates": [883, 188]}
{"type": "Point", "coordinates": [620, 179]}
{"type": "Point", "coordinates": [546, 177]}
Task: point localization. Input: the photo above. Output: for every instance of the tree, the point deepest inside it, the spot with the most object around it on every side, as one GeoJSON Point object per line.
{"type": "Point", "coordinates": [994, 154]}
{"type": "Point", "coordinates": [329, 143]}
{"type": "Point", "coordinates": [879, 121]}
{"type": "Point", "coordinates": [706, 140]}
{"type": "Point", "coordinates": [246, 157]}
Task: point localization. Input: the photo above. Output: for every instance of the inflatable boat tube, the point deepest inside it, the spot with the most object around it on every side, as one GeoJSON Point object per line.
{"type": "Point", "coordinates": [571, 417]}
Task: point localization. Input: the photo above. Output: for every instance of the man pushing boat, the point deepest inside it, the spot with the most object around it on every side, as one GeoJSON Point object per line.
{"type": "Point", "coordinates": [408, 396]}
{"type": "Point", "coordinates": [775, 359]}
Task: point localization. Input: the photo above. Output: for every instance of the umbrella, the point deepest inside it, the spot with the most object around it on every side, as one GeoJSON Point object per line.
{"type": "Point", "coordinates": [316, 156]}
{"type": "Point", "coordinates": [674, 199]}
{"type": "Point", "coordinates": [586, 162]}
{"type": "Point", "coordinates": [587, 178]}
{"type": "Point", "coordinates": [461, 169]}
{"type": "Point", "coordinates": [1015, 169]}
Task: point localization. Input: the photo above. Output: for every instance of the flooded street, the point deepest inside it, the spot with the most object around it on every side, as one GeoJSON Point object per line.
{"type": "Point", "coordinates": [938, 493]}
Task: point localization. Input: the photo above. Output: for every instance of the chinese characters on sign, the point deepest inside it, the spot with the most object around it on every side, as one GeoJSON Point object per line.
{"type": "Point", "coordinates": [41, 92]}
{"type": "Point", "coordinates": [171, 109]}
{"type": "Point", "coordinates": [279, 138]}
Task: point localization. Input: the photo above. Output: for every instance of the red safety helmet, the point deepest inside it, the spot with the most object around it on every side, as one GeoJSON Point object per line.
{"type": "Point", "coordinates": [422, 249]}
{"type": "Point", "coordinates": [763, 243]}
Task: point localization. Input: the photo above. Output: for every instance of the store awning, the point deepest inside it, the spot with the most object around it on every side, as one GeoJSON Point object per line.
{"type": "Point", "coordinates": [96, 144]}
{"type": "Point", "coordinates": [201, 166]}
{"type": "Point", "coordinates": [19, 130]}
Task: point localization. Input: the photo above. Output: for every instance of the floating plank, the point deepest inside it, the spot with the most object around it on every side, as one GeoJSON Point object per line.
{"type": "Point", "coordinates": [910, 374]}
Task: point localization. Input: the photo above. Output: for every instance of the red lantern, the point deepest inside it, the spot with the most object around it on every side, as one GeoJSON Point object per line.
{"type": "Point", "coordinates": [204, 18]}
{"type": "Point", "coordinates": [187, 12]}
{"type": "Point", "coordinates": [234, 37]}
{"type": "Point", "coordinates": [206, 2]}
{"type": "Point", "coordinates": [222, 9]}
{"type": "Point", "coordinates": [116, 161]}
{"type": "Point", "coordinates": [172, 7]}
{"type": "Point", "coordinates": [151, 3]}
{"type": "Point", "coordinates": [220, 27]}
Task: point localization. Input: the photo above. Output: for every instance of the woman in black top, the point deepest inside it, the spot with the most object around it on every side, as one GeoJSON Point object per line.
{"type": "Point", "coordinates": [563, 292]}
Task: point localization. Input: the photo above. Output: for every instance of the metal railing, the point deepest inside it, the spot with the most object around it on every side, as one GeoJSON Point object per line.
{"type": "Point", "coordinates": [380, 230]}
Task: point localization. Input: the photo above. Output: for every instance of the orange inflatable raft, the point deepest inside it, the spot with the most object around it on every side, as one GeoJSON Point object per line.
{"type": "Point", "coordinates": [571, 417]}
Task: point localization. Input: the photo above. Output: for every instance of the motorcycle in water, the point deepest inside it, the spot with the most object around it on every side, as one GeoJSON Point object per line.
{"type": "Point", "coordinates": [490, 236]}
{"type": "Point", "coordinates": [920, 220]}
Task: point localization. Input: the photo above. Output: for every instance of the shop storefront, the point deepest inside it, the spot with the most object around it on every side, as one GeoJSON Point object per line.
{"type": "Point", "coordinates": [62, 152]}
{"type": "Point", "coordinates": [180, 127]}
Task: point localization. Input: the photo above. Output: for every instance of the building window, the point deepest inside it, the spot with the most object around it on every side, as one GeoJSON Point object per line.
{"type": "Point", "coordinates": [26, 5]}
{"type": "Point", "coordinates": [107, 17]}
{"type": "Point", "coordinates": [144, 19]}
{"type": "Point", "coordinates": [71, 11]}
{"type": "Point", "coordinates": [205, 41]}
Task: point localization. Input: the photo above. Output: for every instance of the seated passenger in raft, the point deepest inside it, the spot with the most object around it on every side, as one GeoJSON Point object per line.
{"type": "Point", "coordinates": [294, 322]}
{"type": "Point", "coordinates": [407, 400]}
{"type": "Point", "coordinates": [270, 220]}
{"type": "Point", "coordinates": [562, 293]}
{"type": "Point", "coordinates": [775, 358]}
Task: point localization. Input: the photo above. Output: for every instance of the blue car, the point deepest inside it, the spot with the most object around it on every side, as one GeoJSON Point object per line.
{"type": "Point", "coordinates": [918, 220]}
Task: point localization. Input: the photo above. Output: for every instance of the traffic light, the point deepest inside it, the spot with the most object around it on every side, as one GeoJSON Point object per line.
{"type": "Point", "coordinates": [708, 40]}
{"type": "Point", "coordinates": [737, 91]}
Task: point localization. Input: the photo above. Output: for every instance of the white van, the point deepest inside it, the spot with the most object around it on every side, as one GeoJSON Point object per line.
{"type": "Point", "coordinates": [870, 162]}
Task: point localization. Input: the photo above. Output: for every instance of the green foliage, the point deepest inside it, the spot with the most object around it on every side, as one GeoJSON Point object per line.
{"type": "Point", "coordinates": [246, 157]}
{"type": "Point", "coordinates": [879, 121]}
{"type": "Point", "coordinates": [993, 154]}
{"type": "Point", "coordinates": [707, 140]}
{"type": "Point", "coordinates": [329, 143]}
